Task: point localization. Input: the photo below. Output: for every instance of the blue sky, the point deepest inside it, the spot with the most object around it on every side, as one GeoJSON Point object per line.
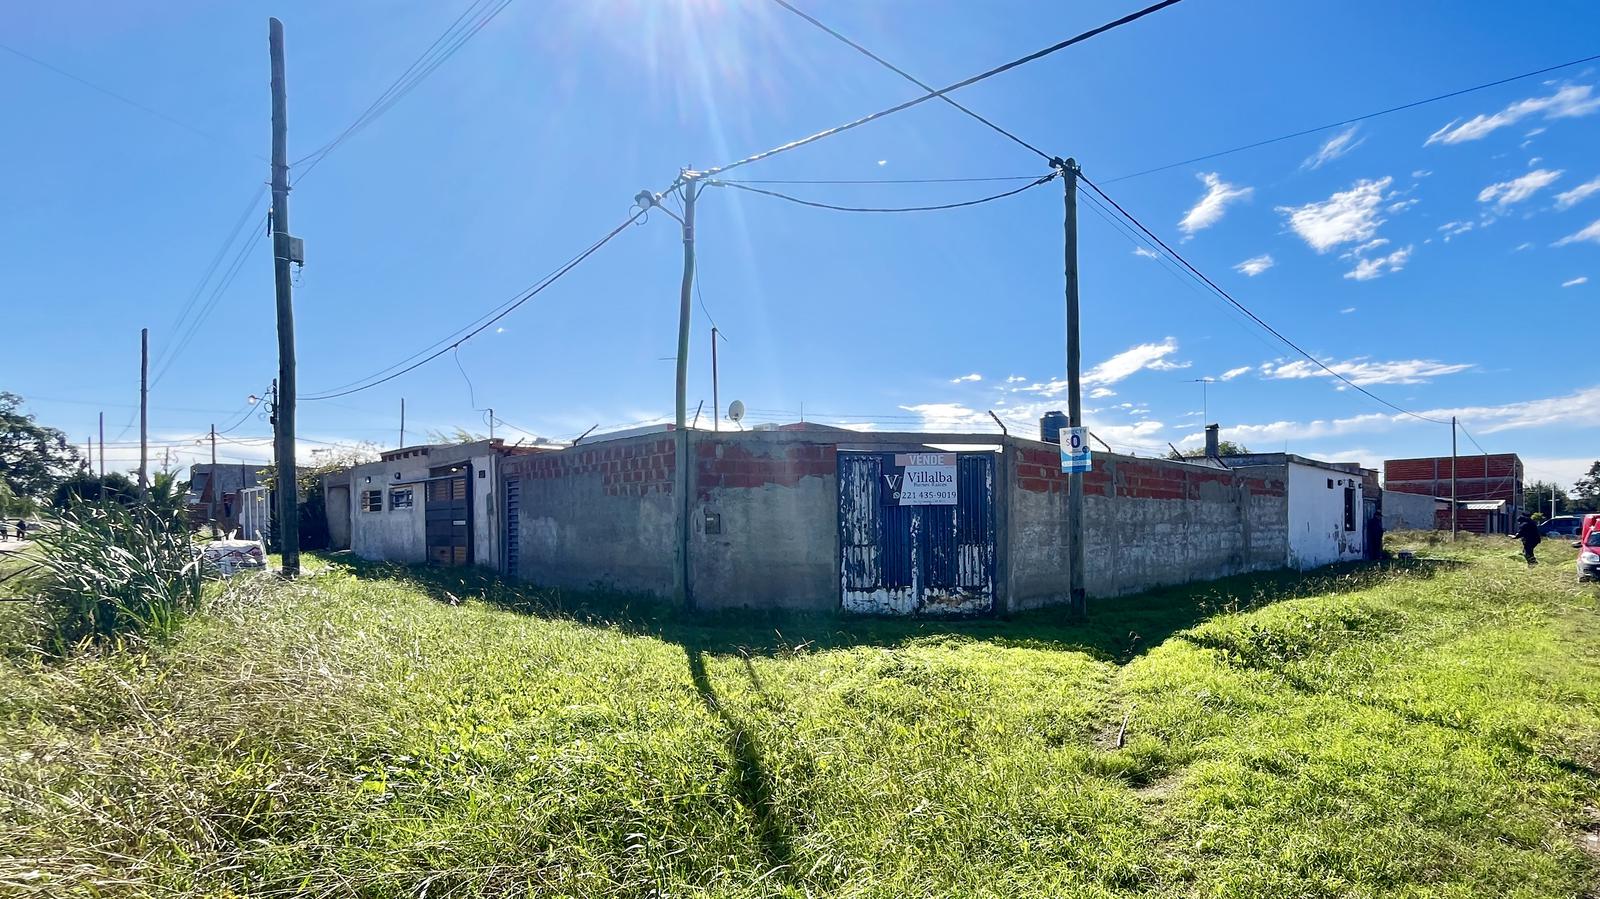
{"type": "Point", "coordinates": [1446, 257]}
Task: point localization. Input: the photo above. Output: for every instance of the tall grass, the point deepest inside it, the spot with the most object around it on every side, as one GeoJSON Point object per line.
{"type": "Point", "coordinates": [108, 570]}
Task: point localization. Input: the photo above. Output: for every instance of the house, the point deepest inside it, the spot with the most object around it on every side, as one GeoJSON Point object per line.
{"type": "Point", "coordinates": [1487, 489]}
{"type": "Point", "coordinates": [214, 492]}
{"type": "Point", "coordinates": [439, 503]}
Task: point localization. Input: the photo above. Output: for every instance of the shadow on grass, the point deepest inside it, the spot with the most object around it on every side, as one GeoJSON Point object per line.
{"type": "Point", "coordinates": [1117, 629]}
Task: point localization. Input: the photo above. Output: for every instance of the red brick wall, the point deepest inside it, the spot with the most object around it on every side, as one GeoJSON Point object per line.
{"type": "Point", "coordinates": [1478, 477]}
{"type": "Point", "coordinates": [729, 464]}
{"type": "Point", "coordinates": [626, 468]}
{"type": "Point", "coordinates": [1039, 471]}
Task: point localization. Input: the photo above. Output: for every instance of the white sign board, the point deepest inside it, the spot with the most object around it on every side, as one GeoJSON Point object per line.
{"type": "Point", "coordinates": [926, 479]}
{"type": "Point", "coordinates": [1075, 450]}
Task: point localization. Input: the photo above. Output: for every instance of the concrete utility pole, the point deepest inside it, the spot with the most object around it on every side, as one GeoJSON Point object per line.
{"type": "Point", "coordinates": [211, 484]}
{"type": "Point", "coordinates": [102, 455]}
{"type": "Point", "coordinates": [1077, 595]}
{"type": "Point", "coordinates": [716, 403]}
{"type": "Point", "coordinates": [1455, 503]}
{"type": "Point", "coordinates": [402, 421]}
{"type": "Point", "coordinates": [144, 414]}
{"type": "Point", "coordinates": [288, 504]}
{"type": "Point", "coordinates": [681, 438]}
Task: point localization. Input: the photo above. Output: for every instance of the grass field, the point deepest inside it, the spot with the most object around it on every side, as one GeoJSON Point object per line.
{"type": "Point", "coordinates": [1426, 730]}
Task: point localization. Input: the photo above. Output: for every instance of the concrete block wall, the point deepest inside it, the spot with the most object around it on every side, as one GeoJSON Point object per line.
{"type": "Point", "coordinates": [600, 515]}
{"type": "Point", "coordinates": [1147, 523]}
{"type": "Point", "coordinates": [764, 522]}
{"type": "Point", "coordinates": [1403, 511]}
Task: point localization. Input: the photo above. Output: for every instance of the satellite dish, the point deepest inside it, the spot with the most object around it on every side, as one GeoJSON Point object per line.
{"type": "Point", "coordinates": [736, 411]}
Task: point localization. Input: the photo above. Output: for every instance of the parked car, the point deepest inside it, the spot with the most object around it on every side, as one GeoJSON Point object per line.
{"type": "Point", "coordinates": [1588, 546]}
{"type": "Point", "coordinates": [1561, 526]}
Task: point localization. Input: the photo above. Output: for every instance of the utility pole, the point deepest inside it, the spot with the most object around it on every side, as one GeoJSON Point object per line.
{"type": "Point", "coordinates": [288, 506]}
{"type": "Point", "coordinates": [102, 455]}
{"type": "Point", "coordinates": [1455, 503]}
{"type": "Point", "coordinates": [682, 436]}
{"type": "Point", "coordinates": [716, 404]}
{"type": "Point", "coordinates": [211, 482]}
{"type": "Point", "coordinates": [144, 414]}
{"type": "Point", "coordinates": [1078, 600]}
{"type": "Point", "coordinates": [402, 421]}
{"type": "Point", "coordinates": [491, 422]}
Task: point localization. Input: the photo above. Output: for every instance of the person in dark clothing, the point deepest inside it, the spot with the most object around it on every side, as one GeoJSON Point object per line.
{"type": "Point", "coordinates": [1374, 541]}
{"type": "Point", "coordinates": [1528, 533]}
{"type": "Point", "coordinates": [22, 529]}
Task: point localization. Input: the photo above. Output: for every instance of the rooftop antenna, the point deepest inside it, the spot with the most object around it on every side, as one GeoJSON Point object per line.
{"type": "Point", "coordinates": [736, 412]}
{"type": "Point", "coordinates": [1205, 405]}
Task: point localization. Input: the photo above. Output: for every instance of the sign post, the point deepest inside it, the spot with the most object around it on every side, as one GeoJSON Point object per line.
{"type": "Point", "coordinates": [1075, 451]}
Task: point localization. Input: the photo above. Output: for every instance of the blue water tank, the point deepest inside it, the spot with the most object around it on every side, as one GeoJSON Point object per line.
{"type": "Point", "coordinates": [1050, 425]}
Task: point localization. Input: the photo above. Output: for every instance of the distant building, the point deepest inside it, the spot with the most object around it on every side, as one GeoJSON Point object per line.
{"type": "Point", "coordinates": [1488, 489]}
{"type": "Point", "coordinates": [214, 492]}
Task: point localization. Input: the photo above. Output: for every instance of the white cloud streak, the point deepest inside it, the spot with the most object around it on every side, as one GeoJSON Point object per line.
{"type": "Point", "coordinates": [1591, 234]}
{"type": "Point", "coordinates": [965, 379]}
{"type": "Point", "coordinates": [1232, 373]}
{"type": "Point", "coordinates": [1516, 190]}
{"type": "Point", "coordinates": [1569, 198]}
{"type": "Point", "coordinates": [1335, 147]}
{"type": "Point", "coordinates": [1211, 207]}
{"type": "Point", "coordinates": [1570, 101]}
{"type": "Point", "coordinates": [1363, 372]}
{"type": "Point", "coordinates": [1377, 266]}
{"type": "Point", "coordinates": [1255, 265]}
{"type": "Point", "coordinates": [1350, 216]}
{"type": "Point", "coordinates": [1581, 279]}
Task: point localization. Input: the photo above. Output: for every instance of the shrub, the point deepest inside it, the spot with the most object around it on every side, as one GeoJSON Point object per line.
{"type": "Point", "coordinates": [108, 570]}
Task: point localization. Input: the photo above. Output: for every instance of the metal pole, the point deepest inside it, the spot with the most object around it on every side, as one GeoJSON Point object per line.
{"type": "Point", "coordinates": [288, 505]}
{"type": "Point", "coordinates": [1455, 503]}
{"type": "Point", "coordinates": [144, 414]}
{"type": "Point", "coordinates": [716, 402]}
{"type": "Point", "coordinates": [1077, 595]}
{"type": "Point", "coordinates": [681, 438]}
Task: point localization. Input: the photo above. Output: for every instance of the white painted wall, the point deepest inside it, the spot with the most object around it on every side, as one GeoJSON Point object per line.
{"type": "Point", "coordinates": [401, 535]}
{"type": "Point", "coordinates": [1316, 517]}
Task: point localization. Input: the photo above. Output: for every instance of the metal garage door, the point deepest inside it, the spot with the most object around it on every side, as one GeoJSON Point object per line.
{"type": "Point", "coordinates": [915, 559]}
{"type": "Point", "coordinates": [449, 516]}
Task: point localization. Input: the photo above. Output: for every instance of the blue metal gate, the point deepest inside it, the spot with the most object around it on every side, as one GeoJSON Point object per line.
{"type": "Point", "coordinates": [915, 559]}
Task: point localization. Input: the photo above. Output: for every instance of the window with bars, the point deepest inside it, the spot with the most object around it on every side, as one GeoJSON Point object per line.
{"type": "Point", "coordinates": [400, 498]}
{"type": "Point", "coordinates": [372, 500]}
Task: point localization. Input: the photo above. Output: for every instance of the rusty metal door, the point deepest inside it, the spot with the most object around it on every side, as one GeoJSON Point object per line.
{"type": "Point", "coordinates": [448, 516]}
{"type": "Point", "coordinates": [916, 560]}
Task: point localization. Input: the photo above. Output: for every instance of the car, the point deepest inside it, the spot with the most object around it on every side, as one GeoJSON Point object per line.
{"type": "Point", "coordinates": [1589, 556]}
{"type": "Point", "coordinates": [1561, 526]}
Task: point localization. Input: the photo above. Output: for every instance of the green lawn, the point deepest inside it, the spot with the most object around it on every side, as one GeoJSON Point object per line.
{"type": "Point", "coordinates": [1426, 730]}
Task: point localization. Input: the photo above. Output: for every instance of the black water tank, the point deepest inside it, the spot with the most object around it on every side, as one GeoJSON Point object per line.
{"type": "Point", "coordinates": [1050, 426]}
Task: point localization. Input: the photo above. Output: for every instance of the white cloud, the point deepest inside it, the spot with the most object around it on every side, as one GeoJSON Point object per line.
{"type": "Point", "coordinates": [1367, 269]}
{"type": "Point", "coordinates": [1347, 310]}
{"type": "Point", "coordinates": [1535, 161]}
{"type": "Point", "coordinates": [1362, 371]}
{"type": "Point", "coordinates": [1015, 379]}
{"type": "Point", "coordinates": [1151, 356]}
{"type": "Point", "coordinates": [1590, 234]}
{"type": "Point", "coordinates": [1232, 373]}
{"type": "Point", "coordinates": [967, 378]}
{"type": "Point", "coordinates": [1365, 248]}
{"type": "Point", "coordinates": [1335, 147]}
{"type": "Point", "coordinates": [1516, 190]}
{"type": "Point", "coordinates": [1146, 252]}
{"type": "Point", "coordinates": [1525, 245]}
{"type": "Point", "coordinates": [1209, 210]}
{"type": "Point", "coordinates": [1421, 173]}
{"type": "Point", "coordinates": [1535, 132]}
{"type": "Point", "coordinates": [1569, 198]}
{"type": "Point", "coordinates": [1581, 279]}
{"type": "Point", "coordinates": [1451, 229]}
{"type": "Point", "coordinates": [1255, 265]}
{"type": "Point", "coordinates": [1100, 393]}
{"type": "Point", "coordinates": [1568, 102]}
{"type": "Point", "coordinates": [1403, 205]}
{"type": "Point", "coordinates": [951, 417]}
{"type": "Point", "coordinates": [1346, 217]}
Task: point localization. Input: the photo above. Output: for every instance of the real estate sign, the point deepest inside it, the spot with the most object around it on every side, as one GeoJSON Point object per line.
{"type": "Point", "coordinates": [1075, 450]}
{"type": "Point", "coordinates": [920, 479]}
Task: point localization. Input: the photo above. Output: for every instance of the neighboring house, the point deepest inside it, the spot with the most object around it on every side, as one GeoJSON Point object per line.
{"type": "Point", "coordinates": [214, 492]}
{"type": "Point", "coordinates": [1487, 488]}
{"type": "Point", "coordinates": [439, 503]}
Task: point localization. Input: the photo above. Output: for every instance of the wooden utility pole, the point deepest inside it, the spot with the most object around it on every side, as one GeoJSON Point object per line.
{"type": "Point", "coordinates": [144, 414]}
{"type": "Point", "coordinates": [211, 483]}
{"type": "Point", "coordinates": [402, 421]}
{"type": "Point", "coordinates": [1078, 601]}
{"type": "Point", "coordinates": [1455, 462]}
{"type": "Point", "coordinates": [288, 505]}
{"type": "Point", "coordinates": [102, 455]}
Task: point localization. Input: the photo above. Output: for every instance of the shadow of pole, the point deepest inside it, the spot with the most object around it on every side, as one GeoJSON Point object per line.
{"type": "Point", "coordinates": [753, 784]}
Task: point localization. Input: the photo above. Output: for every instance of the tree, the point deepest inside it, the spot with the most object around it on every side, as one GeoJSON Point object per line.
{"type": "Point", "coordinates": [1536, 498]}
{"type": "Point", "coordinates": [86, 487]}
{"type": "Point", "coordinates": [1586, 490]}
{"type": "Point", "coordinates": [1224, 448]}
{"type": "Point", "coordinates": [33, 458]}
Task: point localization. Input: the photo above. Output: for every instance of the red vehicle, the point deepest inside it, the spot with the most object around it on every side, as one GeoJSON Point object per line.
{"type": "Point", "coordinates": [1589, 548]}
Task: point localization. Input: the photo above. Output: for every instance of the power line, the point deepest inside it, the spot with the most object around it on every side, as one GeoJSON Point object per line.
{"type": "Point", "coordinates": [1246, 310]}
{"type": "Point", "coordinates": [911, 78]}
{"type": "Point", "coordinates": [122, 99]}
{"type": "Point", "coordinates": [876, 180]}
{"type": "Point", "coordinates": [1042, 179]}
{"type": "Point", "coordinates": [967, 82]}
{"type": "Point", "coordinates": [451, 40]}
{"type": "Point", "coordinates": [525, 296]}
{"type": "Point", "coordinates": [1351, 121]}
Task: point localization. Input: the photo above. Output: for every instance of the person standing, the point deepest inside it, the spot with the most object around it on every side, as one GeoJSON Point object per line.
{"type": "Point", "coordinates": [22, 529]}
{"type": "Point", "coordinates": [1528, 533]}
